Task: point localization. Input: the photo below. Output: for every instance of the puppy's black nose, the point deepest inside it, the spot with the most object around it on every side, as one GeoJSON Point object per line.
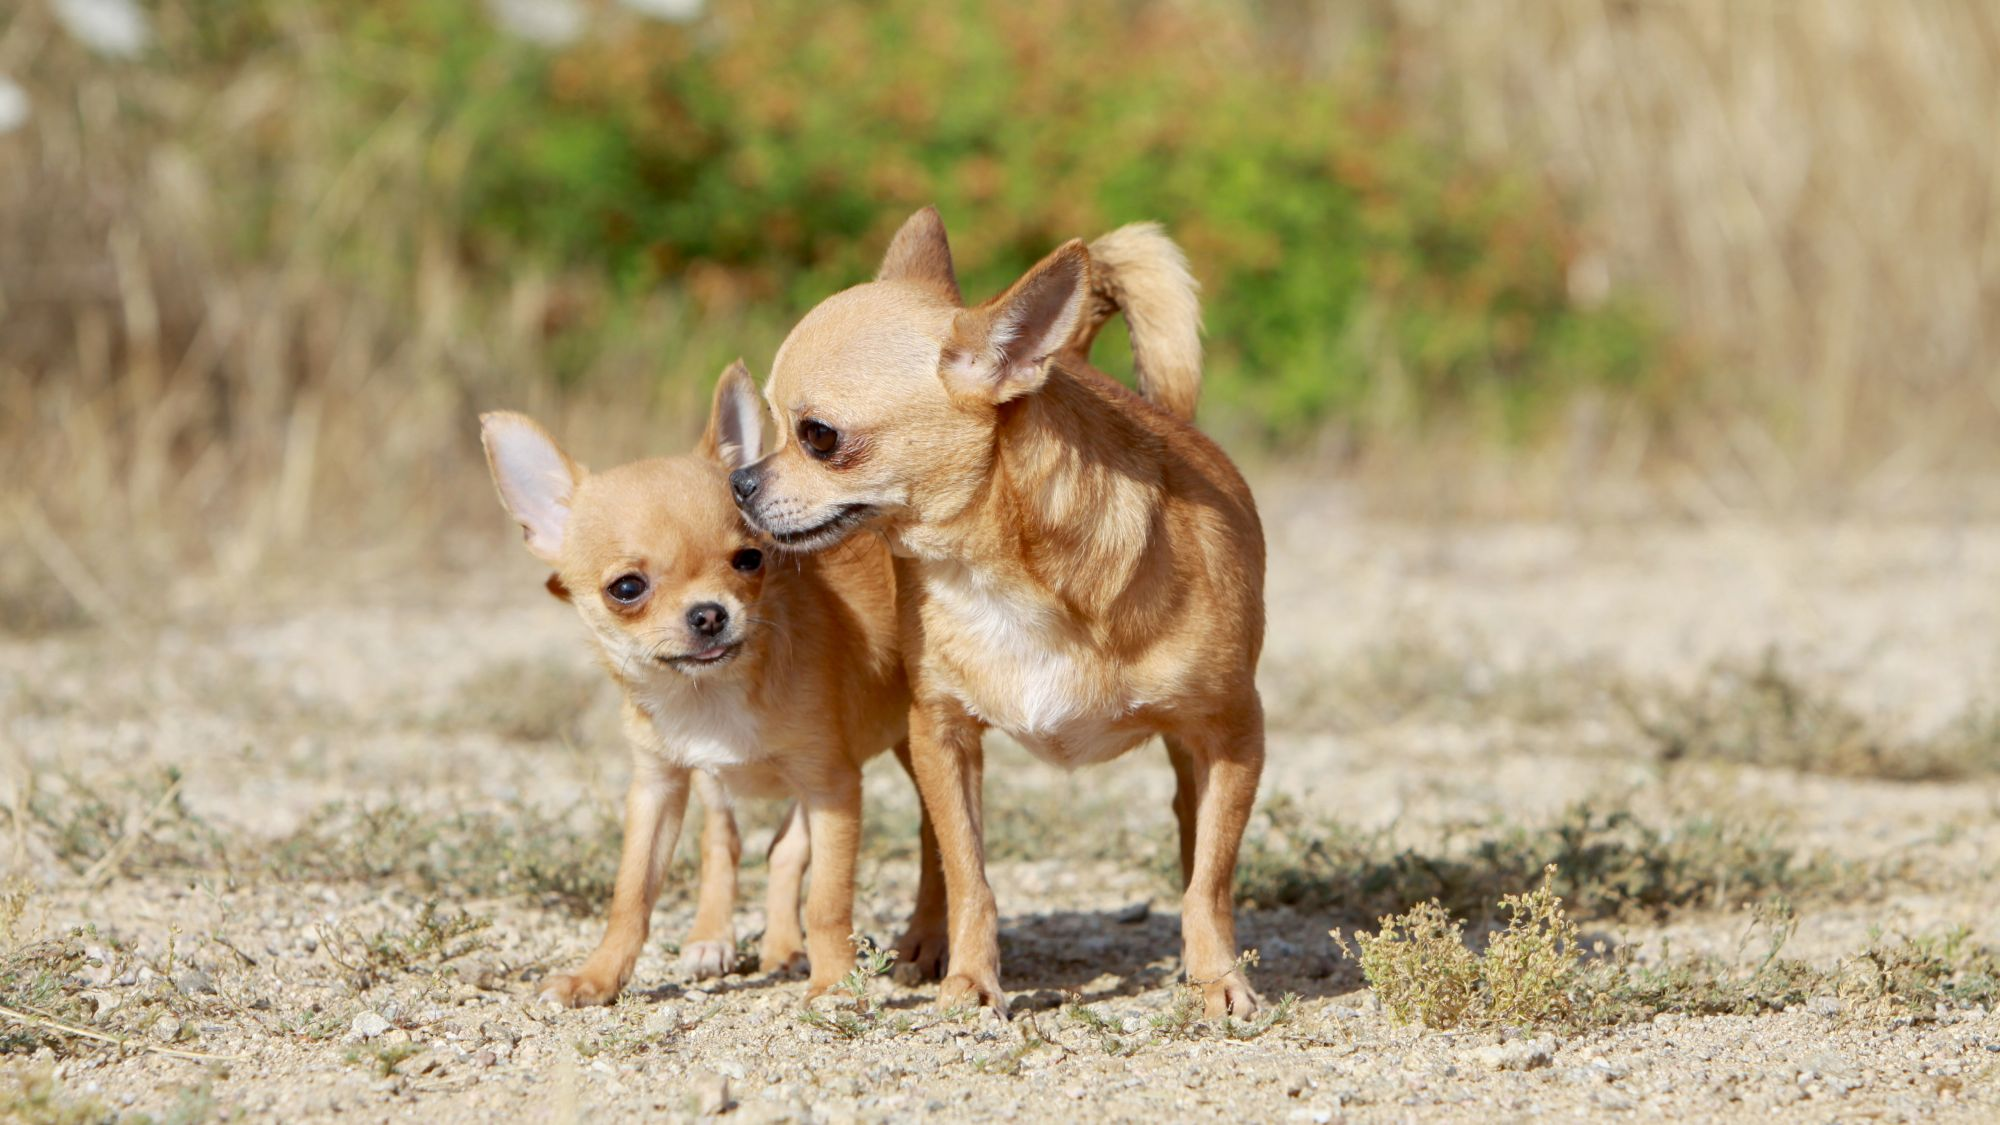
{"type": "Point", "coordinates": [743, 484]}
{"type": "Point", "coordinates": [707, 619]}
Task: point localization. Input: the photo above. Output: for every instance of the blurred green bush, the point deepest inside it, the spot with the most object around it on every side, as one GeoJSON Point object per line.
{"type": "Point", "coordinates": [1356, 271]}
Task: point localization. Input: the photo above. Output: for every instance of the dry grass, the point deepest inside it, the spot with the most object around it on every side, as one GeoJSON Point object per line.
{"type": "Point", "coordinates": [1765, 714]}
{"type": "Point", "coordinates": [1423, 972]}
{"type": "Point", "coordinates": [1809, 187]}
{"type": "Point", "coordinates": [1610, 863]}
{"type": "Point", "coordinates": [1534, 974]}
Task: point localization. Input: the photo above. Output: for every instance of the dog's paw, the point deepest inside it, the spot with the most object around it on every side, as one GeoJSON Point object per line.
{"type": "Point", "coordinates": [783, 958]}
{"type": "Point", "coordinates": [920, 956]}
{"type": "Point", "coordinates": [818, 988]}
{"type": "Point", "coordinates": [704, 959]}
{"type": "Point", "coordinates": [1229, 996]}
{"type": "Point", "coordinates": [962, 990]}
{"type": "Point", "coordinates": [580, 989]}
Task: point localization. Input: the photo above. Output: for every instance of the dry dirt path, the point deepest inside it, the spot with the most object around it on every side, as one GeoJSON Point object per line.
{"type": "Point", "coordinates": [477, 698]}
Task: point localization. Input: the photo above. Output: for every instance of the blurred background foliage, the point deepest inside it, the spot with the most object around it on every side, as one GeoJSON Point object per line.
{"type": "Point", "coordinates": [759, 156]}
{"type": "Point", "coordinates": [261, 262]}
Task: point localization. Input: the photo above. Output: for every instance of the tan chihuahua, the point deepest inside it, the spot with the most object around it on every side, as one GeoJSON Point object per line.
{"type": "Point", "coordinates": [746, 675]}
{"type": "Point", "coordinates": [1079, 566]}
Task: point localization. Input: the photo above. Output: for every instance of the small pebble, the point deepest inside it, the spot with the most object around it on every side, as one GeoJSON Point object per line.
{"type": "Point", "coordinates": [366, 1026]}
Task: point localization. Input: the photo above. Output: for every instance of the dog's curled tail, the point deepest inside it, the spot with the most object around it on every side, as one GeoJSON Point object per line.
{"type": "Point", "coordinates": [1139, 270]}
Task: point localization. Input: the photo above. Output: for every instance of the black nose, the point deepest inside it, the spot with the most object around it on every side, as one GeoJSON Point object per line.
{"type": "Point", "coordinates": [743, 483]}
{"type": "Point", "coordinates": [707, 619]}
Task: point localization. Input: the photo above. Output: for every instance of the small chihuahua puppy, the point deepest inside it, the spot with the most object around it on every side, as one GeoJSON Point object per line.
{"type": "Point", "coordinates": [1077, 564]}
{"type": "Point", "coordinates": [740, 673]}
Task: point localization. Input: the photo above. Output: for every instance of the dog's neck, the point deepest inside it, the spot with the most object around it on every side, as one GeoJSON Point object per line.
{"type": "Point", "coordinates": [1072, 503]}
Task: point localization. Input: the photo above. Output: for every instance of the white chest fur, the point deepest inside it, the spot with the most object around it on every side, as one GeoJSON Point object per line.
{"type": "Point", "coordinates": [703, 726]}
{"type": "Point", "coordinates": [1012, 661]}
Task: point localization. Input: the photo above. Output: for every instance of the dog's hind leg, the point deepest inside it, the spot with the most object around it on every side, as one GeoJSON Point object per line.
{"type": "Point", "coordinates": [1187, 797]}
{"type": "Point", "coordinates": [1227, 755]}
{"type": "Point", "coordinates": [921, 951]}
{"type": "Point", "coordinates": [710, 948]}
{"type": "Point", "coordinates": [783, 949]}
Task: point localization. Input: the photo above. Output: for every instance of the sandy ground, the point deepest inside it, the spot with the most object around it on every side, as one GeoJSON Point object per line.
{"type": "Point", "coordinates": [272, 713]}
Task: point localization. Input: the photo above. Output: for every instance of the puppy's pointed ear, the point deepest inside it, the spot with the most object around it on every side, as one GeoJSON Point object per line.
{"type": "Point", "coordinates": [1000, 350]}
{"type": "Point", "coordinates": [920, 254]}
{"type": "Point", "coordinates": [735, 434]}
{"type": "Point", "coordinates": [536, 479]}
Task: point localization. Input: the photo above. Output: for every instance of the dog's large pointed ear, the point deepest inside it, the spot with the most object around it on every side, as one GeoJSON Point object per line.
{"type": "Point", "coordinates": [735, 434]}
{"type": "Point", "coordinates": [1000, 350]}
{"type": "Point", "coordinates": [919, 253]}
{"type": "Point", "coordinates": [536, 479]}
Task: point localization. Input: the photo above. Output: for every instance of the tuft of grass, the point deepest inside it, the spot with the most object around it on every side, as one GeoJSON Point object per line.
{"type": "Point", "coordinates": [429, 946]}
{"type": "Point", "coordinates": [37, 1096]}
{"type": "Point", "coordinates": [530, 701]}
{"type": "Point", "coordinates": [521, 851]}
{"type": "Point", "coordinates": [1533, 974]}
{"type": "Point", "coordinates": [858, 1014]}
{"type": "Point", "coordinates": [1416, 675]}
{"type": "Point", "coordinates": [1422, 972]}
{"type": "Point", "coordinates": [1029, 1039]}
{"type": "Point", "coordinates": [1109, 1037]}
{"type": "Point", "coordinates": [1766, 714]}
{"type": "Point", "coordinates": [1609, 864]}
{"type": "Point", "coordinates": [384, 1058]}
{"type": "Point", "coordinates": [138, 824]}
{"type": "Point", "coordinates": [38, 977]}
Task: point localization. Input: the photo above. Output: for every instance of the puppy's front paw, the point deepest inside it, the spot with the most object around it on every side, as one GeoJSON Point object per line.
{"type": "Point", "coordinates": [704, 959]}
{"type": "Point", "coordinates": [963, 990]}
{"type": "Point", "coordinates": [580, 989]}
{"type": "Point", "coordinates": [1230, 996]}
{"type": "Point", "coordinates": [920, 956]}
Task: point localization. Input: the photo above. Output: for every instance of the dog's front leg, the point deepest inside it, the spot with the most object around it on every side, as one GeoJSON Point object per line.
{"type": "Point", "coordinates": [833, 820]}
{"type": "Point", "coordinates": [945, 751]}
{"type": "Point", "coordinates": [920, 952]}
{"type": "Point", "coordinates": [710, 948]}
{"type": "Point", "coordinates": [654, 807]}
{"type": "Point", "coordinates": [784, 946]}
{"type": "Point", "coordinates": [1227, 757]}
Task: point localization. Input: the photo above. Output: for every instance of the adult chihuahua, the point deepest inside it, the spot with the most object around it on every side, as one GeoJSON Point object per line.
{"type": "Point", "coordinates": [1079, 566]}
{"type": "Point", "coordinates": [739, 672]}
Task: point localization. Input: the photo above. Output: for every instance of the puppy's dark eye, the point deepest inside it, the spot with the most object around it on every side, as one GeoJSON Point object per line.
{"type": "Point", "coordinates": [819, 438]}
{"type": "Point", "coordinates": [747, 560]}
{"type": "Point", "coordinates": [627, 588]}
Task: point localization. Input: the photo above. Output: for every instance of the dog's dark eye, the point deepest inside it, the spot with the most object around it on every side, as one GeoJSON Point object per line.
{"type": "Point", "coordinates": [747, 560]}
{"type": "Point", "coordinates": [819, 438]}
{"type": "Point", "coordinates": [627, 588]}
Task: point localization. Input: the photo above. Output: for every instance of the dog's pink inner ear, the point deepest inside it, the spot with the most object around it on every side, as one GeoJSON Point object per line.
{"type": "Point", "coordinates": [1001, 349]}
{"type": "Point", "coordinates": [535, 478]}
{"type": "Point", "coordinates": [735, 433]}
{"type": "Point", "coordinates": [921, 254]}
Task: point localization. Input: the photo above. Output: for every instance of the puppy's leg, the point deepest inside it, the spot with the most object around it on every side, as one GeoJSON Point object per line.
{"type": "Point", "coordinates": [944, 748]}
{"type": "Point", "coordinates": [783, 949]}
{"type": "Point", "coordinates": [1187, 797]}
{"type": "Point", "coordinates": [833, 816]}
{"type": "Point", "coordinates": [654, 806]}
{"type": "Point", "coordinates": [1228, 756]}
{"type": "Point", "coordinates": [710, 948]}
{"type": "Point", "coordinates": [920, 952]}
